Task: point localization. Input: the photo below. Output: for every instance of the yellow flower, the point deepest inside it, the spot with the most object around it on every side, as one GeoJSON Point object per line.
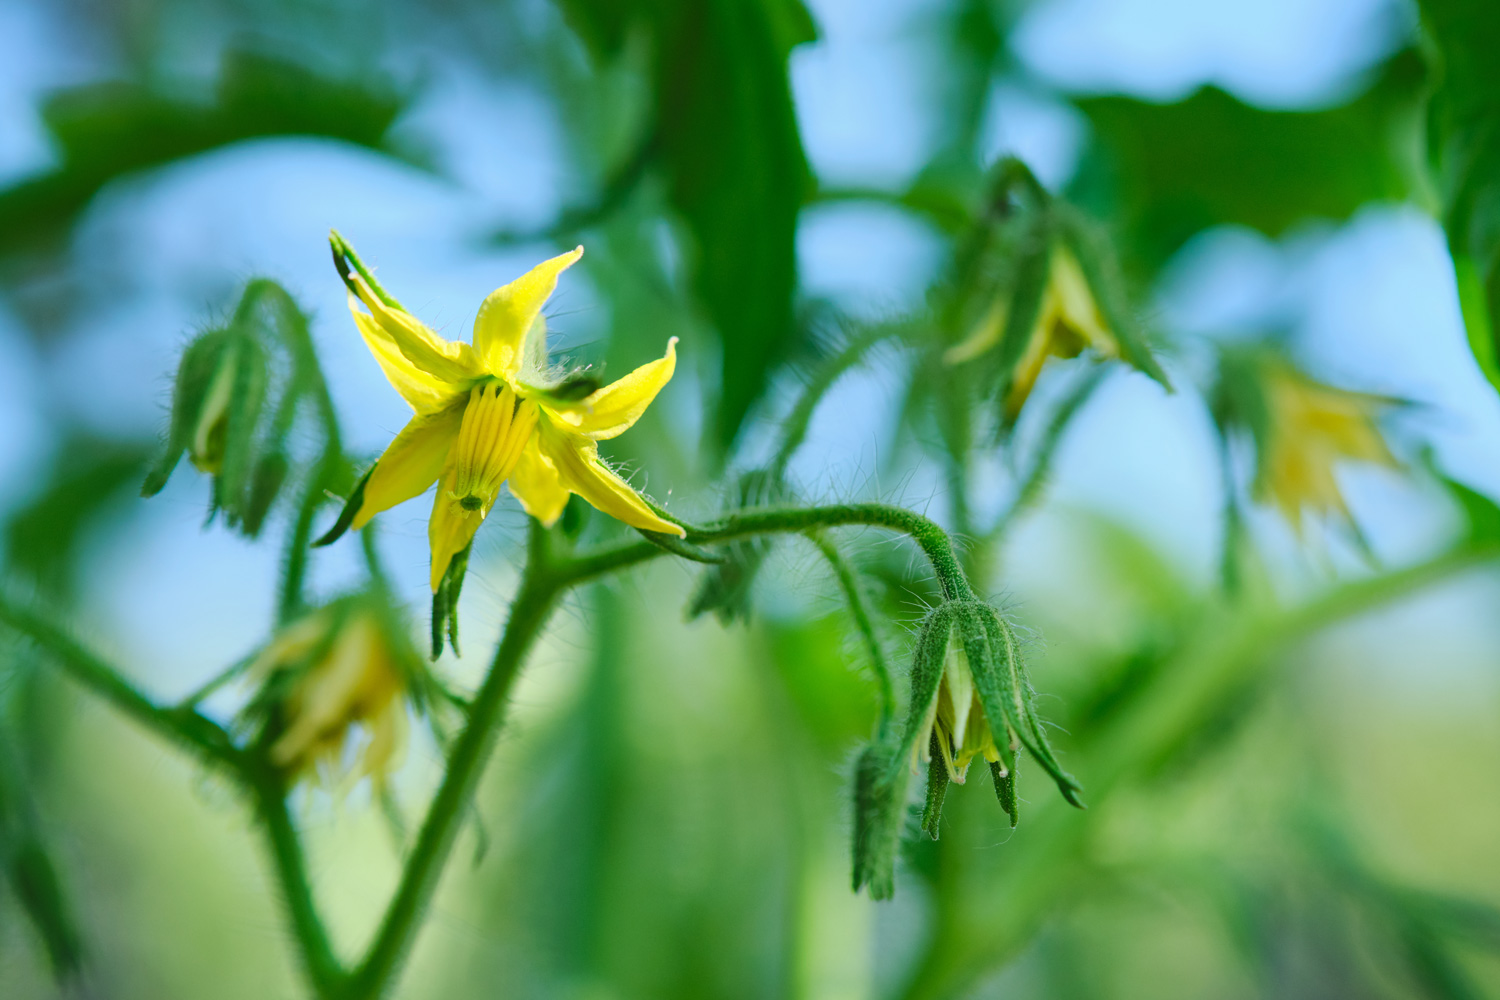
{"type": "Point", "coordinates": [1309, 427]}
{"type": "Point", "coordinates": [338, 672]}
{"type": "Point", "coordinates": [491, 413]}
{"type": "Point", "coordinates": [1067, 322]}
{"type": "Point", "coordinates": [956, 722]}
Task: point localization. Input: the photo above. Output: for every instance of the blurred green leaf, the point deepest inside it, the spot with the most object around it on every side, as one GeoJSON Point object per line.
{"type": "Point", "coordinates": [87, 475]}
{"type": "Point", "coordinates": [106, 130]}
{"type": "Point", "coordinates": [727, 142]}
{"type": "Point", "coordinates": [1463, 132]}
{"type": "Point", "coordinates": [1212, 159]}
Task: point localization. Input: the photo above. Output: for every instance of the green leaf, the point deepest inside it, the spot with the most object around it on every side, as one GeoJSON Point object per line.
{"type": "Point", "coordinates": [104, 131]}
{"type": "Point", "coordinates": [737, 176]}
{"type": "Point", "coordinates": [87, 475]}
{"type": "Point", "coordinates": [1212, 159]}
{"type": "Point", "coordinates": [1463, 131]}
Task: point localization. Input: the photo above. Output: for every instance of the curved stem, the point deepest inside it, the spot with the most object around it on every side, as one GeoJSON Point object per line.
{"type": "Point", "coordinates": [928, 535]}
{"type": "Point", "coordinates": [859, 608]}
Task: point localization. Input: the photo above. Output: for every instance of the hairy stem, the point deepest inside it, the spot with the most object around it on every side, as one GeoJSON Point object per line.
{"type": "Point", "coordinates": [529, 612]}
{"type": "Point", "coordinates": [859, 609]}
{"type": "Point", "coordinates": [185, 727]}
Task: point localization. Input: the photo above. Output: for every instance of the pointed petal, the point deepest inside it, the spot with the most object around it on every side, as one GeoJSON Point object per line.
{"type": "Point", "coordinates": [411, 463]}
{"type": "Point", "coordinates": [536, 483]}
{"type": "Point", "coordinates": [612, 410]}
{"type": "Point", "coordinates": [421, 391]}
{"type": "Point", "coordinates": [444, 361]}
{"type": "Point", "coordinates": [508, 313]}
{"type": "Point", "coordinates": [581, 470]}
{"type": "Point", "coordinates": [451, 527]}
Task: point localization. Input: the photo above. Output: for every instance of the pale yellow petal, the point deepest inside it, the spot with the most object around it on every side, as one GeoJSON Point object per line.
{"type": "Point", "coordinates": [1029, 368]}
{"type": "Point", "coordinates": [411, 463]}
{"type": "Point", "coordinates": [614, 409]}
{"type": "Point", "coordinates": [446, 361]}
{"type": "Point", "coordinates": [507, 315]}
{"type": "Point", "coordinates": [536, 483]}
{"type": "Point", "coordinates": [582, 472]}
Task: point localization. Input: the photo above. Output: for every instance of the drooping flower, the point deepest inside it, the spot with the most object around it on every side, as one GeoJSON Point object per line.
{"type": "Point", "coordinates": [1067, 321]}
{"type": "Point", "coordinates": [492, 413]}
{"type": "Point", "coordinates": [1308, 429]}
{"type": "Point", "coordinates": [334, 687]}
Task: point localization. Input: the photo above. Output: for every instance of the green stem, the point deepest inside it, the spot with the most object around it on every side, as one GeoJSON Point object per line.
{"type": "Point", "coordinates": [529, 612]}
{"type": "Point", "coordinates": [929, 536]}
{"type": "Point", "coordinates": [184, 727]}
{"type": "Point", "coordinates": [859, 608]}
{"type": "Point", "coordinates": [268, 789]}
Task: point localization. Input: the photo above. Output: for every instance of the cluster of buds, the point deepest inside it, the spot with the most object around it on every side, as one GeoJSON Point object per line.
{"type": "Point", "coordinates": [334, 689]}
{"type": "Point", "coordinates": [1035, 282]}
{"type": "Point", "coordinates": [1302, 429]}
{"type": "Point", "coordinates": [969, 698]}
{"type": "Point", "coordinates": [234, 400]}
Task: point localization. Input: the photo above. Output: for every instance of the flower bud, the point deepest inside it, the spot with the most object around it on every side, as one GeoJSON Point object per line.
{"type": "Point", "coordinates": [969, 698]}
{"type": "Point", "coordinates": [1041, 285]}
{"type": "Point", "coordinates": [233, 405]}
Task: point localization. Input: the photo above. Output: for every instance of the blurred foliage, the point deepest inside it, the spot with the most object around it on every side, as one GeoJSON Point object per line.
{"type": "Point", "coordinates": [1463, 134]}
{"type": "Point", "coordinates": [725, 134]}
{"type": "Point", "coordinates": [108, 130]}
{"type": "Point", "coordinates": [1173, 170]}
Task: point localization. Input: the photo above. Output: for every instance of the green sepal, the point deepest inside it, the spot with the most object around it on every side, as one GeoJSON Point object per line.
{"type": "Point", "coordinates": [1000, 678]}
{"type": "Point", "coordinates": [265, 483]}
{"type": "Point", "coordinates": [344, 258]}
{"type": "Point", "coordinates": [682, 549]}
{"type": "Point", "coordinates": [195, 373]}
{"type": "Point", "coordinates": [346, 516]}
{"type": "Point", "coordinates": [1004, 778]}
{"type": "Point", "coordinates": [884, 769]}
{"type": "Point", "coordinates": [937, 788]}
{"type": "Point", "coordinates": [445, 603]}
{"type": "Point", "coordinates": [1033, 268]}
{"type": "Point", "coordinates": [1102, 272]}
{"type": "Point", "coordinates": [247, 398]}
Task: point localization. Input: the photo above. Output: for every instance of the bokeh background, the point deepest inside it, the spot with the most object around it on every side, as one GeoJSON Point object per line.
{"type": "Point", "coordinates": [667, 815]}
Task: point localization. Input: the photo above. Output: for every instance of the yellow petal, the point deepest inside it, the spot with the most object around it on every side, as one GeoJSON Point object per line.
{"type": "Point", "coordinates": [411, 463]}
{"type": "Point", "coordinates": [985, 335]}
{"type": "Point", "coordinates": [446, 361]}
{"type": "Point", "coordinates": [1075, 302]}
{"type": "Point", "coordinates": [508, 314]}
{"type": "Point", "coordinates": [614, 409]}
{"type": "Point", "coordinates": [582, 471]}
{"type": "Point", "coordinates": [536, 483]}
{"type": "Point", "coordinates": [421, 391]}
{"type": "Point", "coordinates": [1029, 368]}
{"type": "Point", "coordinates": [451, 528]}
